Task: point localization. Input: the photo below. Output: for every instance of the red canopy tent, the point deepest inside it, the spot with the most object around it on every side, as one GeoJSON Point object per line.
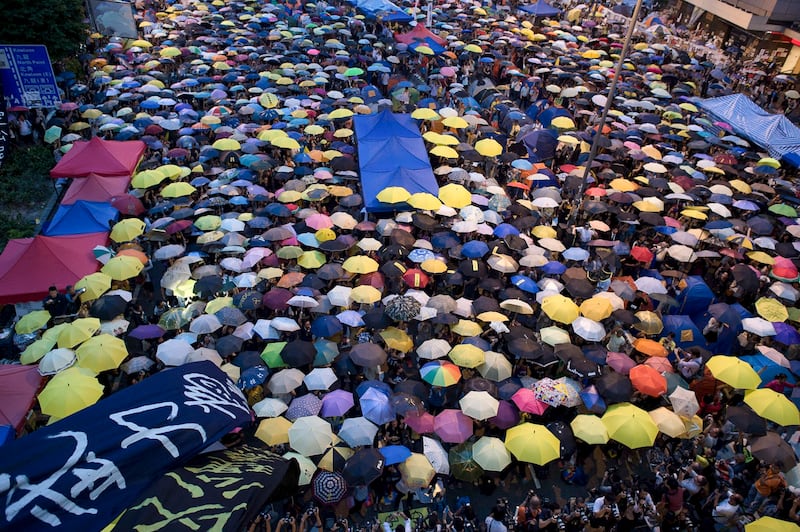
{"type": "Point", "coordinates": [108, 158]}
{"type": "Point", "coordinates": [95, 188]}
{"type": "Point", "coordinates": [417, 34]}
{"type": "Point", "coordinates": [18, 387]}
{"type": "Point", "coordinates": [28, 266]}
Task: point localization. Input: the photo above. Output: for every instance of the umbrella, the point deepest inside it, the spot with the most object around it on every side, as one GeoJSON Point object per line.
{"type": "Point", "coordinates": [452, 426]}
{"type": "Point", "coordinates": [310, 436]}
{"type": "Point", "coordinates": [56, 361]}
{"type": "Point", "coordinates": [320, 379]}
{"type": "Point", "coordinates": [684, 402]}
{"type": "Point", "coordinates": [420, 423]}
{"type": "Point", "coordinates": [560, 308]}
{"type": "Point", "coordinates": [767, 523]}
{"type": "Point", "coordinates": [303, 406]}
{"type": "Point", "coordinates": [329, 487]}
{"type": "Point", "coordinates": [68, 392]}
{"type": "Point", "coordinates": [440, 373]}
{"type": "Point", "coordinates": [773, 449]}
{"type": "Point", "coordinates": [590, 429]}
{"type": "Point", "coordinates": [668, 422]}
{"type": "Point", "coordinates": [479, 405]}
{"type": "Point", "coordinates": [174, 352]}
{"type": "Point", "coordinates": [368, 355]}
{"type": "Point", "coordinates": [533, 443]}
{"type": "Point", "coordinates": [746, 420]}
{"type": "Point", "coordinates": [402, 308]}
{"type": "Point", "coordinates": [274, 431]}
{"type": "Point", "coordinates": [433, 349]}
{"type": "Point", "coordinates": [364, 467]}
{"type": "Point", "coordinates": [491, 454]}
{"type": "Point", "coordinates": [376, 407]}
{"type": "Point", "coordinates": [101, 353]}
{"type": "Point", "coordinates": [436, 454]}
{"type": "Point", "coordinates": [734, 372]}
{"type": "Point", "coordinates": [462, 464]}
{"type": "Point", "coordinates": [630, 425]}
{"type": "Point", "coordinates": [307, 467]}
{"type": "Point", "coordinates": [648, 380]}
{"type": "Point", "coordinates": [773, 406]}
{"type": "Point", "coordinates": [32, 321]}
{"type": "Point", "coordinates": [270, 407]}
{"type": "Point", "coordinates": [337, 403]}
{"type": "Point", "coordinates": [417, 471]}
{"type": "Point", "coordinates": [358, 431]}
{"type": "Point", "coordinates": [395, 454]}
{"type": "Point", "coordinates": [285, 381]}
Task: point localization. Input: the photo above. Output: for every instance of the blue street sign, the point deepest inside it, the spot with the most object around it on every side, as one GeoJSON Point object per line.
{"type": "Point", "coordinates": [27, 76]}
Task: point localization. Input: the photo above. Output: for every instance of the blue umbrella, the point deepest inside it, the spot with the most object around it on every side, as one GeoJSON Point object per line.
{"type": "Point", "coordinates": [252, 377]}
{"type": "Point", "coordinates": [306, 405]}
{"type": "Point", "coordinates": [575, 254]}
{"type": "Point", "coordinates": [368, 385]}
{"type": "Point", "coordinates": [375, 406]}
{"type": "Point", "coordinates": [503, 230]}
{"type": "Point", "coordinates": [591, 398]}
{"type": "Point", "coordinates": [395, 454]}
{"type": "Point", "coordinates": [525, 283]}
{"type": "Point", "coordinates": [554, 268]}
{"type": "Point", "coordinates": [475, 249]}
{"type": "Point", "coordinates": [420, 255]}
{"type": "Point", "coordinates": [326, 326]}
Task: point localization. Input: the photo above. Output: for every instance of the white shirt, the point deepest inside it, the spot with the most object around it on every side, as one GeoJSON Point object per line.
{"type": "Point", "coordinates": [388, 528]}
{"type": "Point", "coordinates": [493, 525]}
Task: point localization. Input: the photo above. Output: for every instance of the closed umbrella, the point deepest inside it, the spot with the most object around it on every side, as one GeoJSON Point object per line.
{"type": "Point", "coordinates": [310, 436]}
{"type": "Point", "coordinates": [630, 425]}
{"type": "Point", "coordinates": [532, 443]}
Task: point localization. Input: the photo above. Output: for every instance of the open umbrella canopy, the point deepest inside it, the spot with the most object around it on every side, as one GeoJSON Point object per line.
{"type": "Point", "coordinates": [773, 406]}
{"type": "Point", "coordinates": [734, 371]}
{"type": "Point", "coordinates": [630, 425]}
{"type": "Point", "coordinates": [533, 443]}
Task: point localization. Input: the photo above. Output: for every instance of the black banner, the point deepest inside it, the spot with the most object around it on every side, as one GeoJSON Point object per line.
{"type": "Point", "coordinates": [218, 491]}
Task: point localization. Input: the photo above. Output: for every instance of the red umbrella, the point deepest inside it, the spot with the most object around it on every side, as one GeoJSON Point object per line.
{"type": "Point", "coordinates": [416, 278]}
{"type": "Point", "coordinates": [374, 279]}
{"type": "Point", "coordinates": [642, 254]}
{"type": "Point", "coordinates": [525, 401]}
{"type": "Point", "coordinates": [725, 158]}
{"type": "Point", "coordinates": [648, 380]}
{"type": "Point", "coordinates": [452, 426]}
{"type": "Point", "coordinates": [421, 423]}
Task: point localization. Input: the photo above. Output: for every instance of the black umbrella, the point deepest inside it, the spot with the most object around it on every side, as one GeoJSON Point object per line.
{"type": "Point", "coordinates": [563, 432]}
{"type": "Point", "coordinates": [364, 467]}
{"type": "Point", "coordinates": [208, 285]}
{"type": "Point", "coordinates": [335, 246]}
{"type": "Point", "coordinates": [445, 318]}
{"type": "Point", "coordinates": [485, 304]}
{"type": "Point", "coordinates": [745, 277]}
{"type": "Point", "coordinates": [773, 449]}
{"type": "Point", "coordinates": [248, 299]}
{"type": "Point", "coordinates": [248, 359]}
{"type": "Point", "coordinates": [368, 355]}
{"type": "Point", "coordinates": [479, 384]}
{"type": "Point", "coordinates": [331, 271]}
{"type": "Point", "coordinates": [508, 387]}
{"type": "Point", "coordinates": [424, 221]}
{"type": "Point", "coordinates": [230, 316]}
{"type": "Point", "coordinates": [108, 307]}
{"type": "Point", "coordinates": [746, 420]}
{"type": "Point", "coordinates": [473, 268]}
{"type": "Point", "coordinates": [393, 269]}
{"type": "Point", "coordinates": [376, 319]}
{"type": "Point", "coordinates": [298, 353]}
{"type": "Point", "coordinates": [228, 345]}
{"type": "Point", "coordinates": [277, 299]}
{"type": "Point", "coordinates": [404, 403]}
{"type": "Point", "coordinates": [394, 252]}
{"type": "Point", "coordinates": [412, 387]}
{"type": "Point", "coordinates": [402, 238]}
{"type": "Point", "coordinates": [328, 487]}
{"type": "Point", "coordinates": [614, 387]}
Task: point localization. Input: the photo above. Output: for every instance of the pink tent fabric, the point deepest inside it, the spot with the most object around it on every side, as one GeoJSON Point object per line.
{"type": "Point", "coordinates": [95, 188]}
{"type": "Point", "coordinates": [419, 33]}
{"type": "Point", "coordinates": [28, 266]}
{"type": "Point", "coordinates": [106, 158]}
{"type": "Point", "coordinates": [18, 387]}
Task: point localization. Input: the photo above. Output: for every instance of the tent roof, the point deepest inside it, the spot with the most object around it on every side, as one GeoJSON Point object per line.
{"type": "Point", "coordinates": [80, 218]}
{"type": "Point", "coordinates": [417, 34]}
{"type": "Point", "coordinates": [95, 188]}
{"type": "Point", "coordinates": [101, 157]}
{"type": "Point", "coordinates": [18, 387]}
{"type": "Point", "coordinates": [391, 152]}
{"type": "Point", "coordinates": [28, 266]}
{"type": "Point", "coordinates": [540, 9]}
{"type": "Point", "coordinates": [387, 10]}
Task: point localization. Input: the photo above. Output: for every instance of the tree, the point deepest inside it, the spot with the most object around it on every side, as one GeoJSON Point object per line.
{"type": "Point", "coordinates": [58, 24]}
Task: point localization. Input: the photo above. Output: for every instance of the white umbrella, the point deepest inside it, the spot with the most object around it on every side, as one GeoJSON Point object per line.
{"type": "Point", "coordinates": [491, 454]}
{"type": "Point", "coordinates": [759, 326]}
{"type": "Point", "coordinates": [203, 353]}
{"type": "Point", "coordinates": [310, 435]}
{"type": "Point", "coordinates": [684, 402]}
{"type": "Point", "coordinates": [350, 318]}
{"type": "Point", "coordinates": [479, 405]}
{"type": "Point", "coordinates": [320, 379]}
{"type": "Point", "coordinates": [302, 302]}
{"type": "Point", "coordinates": [339, 296]}
{"type": "Point", "coordinates": [436, 455]}
{"type": "Point", "coordinates": [264, 329]}
{"type": "Point", "coordinates": [681, 253]}
{"type": "Point", "coordinates": [650, 285]}
{"type": "Point", "coordinates": [588, 329]}
{"type": "Point", "coordinates": [495, 367]}
{"type": "Point", "coordinates": [358, 431]}
{"type": "Point", "coordinates": [284, 324]}
{"type": "Point", "coordinates": [270, 407]}
{"type": "Point", "coordinates": [545, 203]}
{"type": "Point", "coordinates": [307, 467]}
{"type": "Point", "coordinates": [433, 349]}
{"type": "Point", "coordinates": [285, 381]}
{"type": "Point", "coordinates": [205, 324]}
{"type": "Point", "coordinates": [174, 352]}
{"type": "Point", "coordinates": [56, 360]}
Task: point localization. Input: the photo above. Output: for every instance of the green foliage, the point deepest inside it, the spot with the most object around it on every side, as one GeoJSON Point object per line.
{"type": "Point", "coordinates": [58, 24]}
{"type": "Point", "coordinates": [14, 227]}
{"type": "Point", "coordinates": [25, 177]}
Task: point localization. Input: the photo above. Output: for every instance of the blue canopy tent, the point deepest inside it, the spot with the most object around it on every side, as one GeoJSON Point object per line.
{"type": "Point", "coordinates": [695, 298]}
{"type": "Point", "coordinates": [391, 152]}
{"type": "Point", "coordinates": [80, 218]}
{"type": "Point", "coordinates": [728, 315]}
{"type": "Point", "coordinates": [541, 9]}
{"type": "Point", "coordinates": [386, 10]}
{"type": "Point", "coordinates": [773, 132]}
{"type": "Point", "coordinates": [686, 332]}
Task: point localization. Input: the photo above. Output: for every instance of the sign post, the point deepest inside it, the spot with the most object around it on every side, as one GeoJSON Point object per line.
{"type": "Point", "coordinates": [27, 76]}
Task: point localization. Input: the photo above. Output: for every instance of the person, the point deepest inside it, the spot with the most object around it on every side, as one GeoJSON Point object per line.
{"type": "Point", "coordinates": [779, 383]}
{"type": "Point", "coordinates": [55, 303]}
{"type": "Point", "coordinates": [494, 521]}
{"type": "Point", "coordinates": [769, 483]}
{"type": "Point", "coordinates": [726, 508]}
{"type": "Point", "coordinates": [688, 363]}
{"type": "Point", "coordinates": [405, 525]}
{"type": "Point", "coordinates": [605, 512]}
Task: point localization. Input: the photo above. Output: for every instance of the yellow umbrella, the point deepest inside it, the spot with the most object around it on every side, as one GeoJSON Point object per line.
{"type": "Point", "coordinates": [442, 140]}
{"type": "Point", "coordinates": [127, 230]}
{"type": "Point", "coordinates": [141, 43]}
{"type": "Point", "coordinates": [488, 147]}
{"type": "Point", "coordinates": [770, 524]}
{"type": "Point", "coordinates": [758, 256]}
{"type": "Point", "coordinates": [93, 285]}
{"type": "Point", "coordinates": [314, 129]}
{"type": "Point", "coordinates": [211, 236]}
{"type": "Point", "coordinates": [569, 139]}
{"type": "Point", "coordinates": [340, 113]}
{"type": "Point", "coordinates": [365, 294]}
{"type": "Point", "coordinates": [649, 322]}
{"type": "Point", "coordinates": [652, 151]}
{"type": "Point", "coordinates": [208, 222]}
{"type": "Point", "coordinates": [287, 143]}
{"type": "Point", "coordinates": [393, 195]}
{"type": "Point", "coordinates": [544, 231]}
{"type": "Point", "coordinates": [78, 331]}
{"type": "Point", "coordinates": [774, 406]}
{"type": "Point", "coordinates": [289, 196]}
{"type": "Point", "coordinates": [68, 392]}
{"type": "Point", "coordinates": [590, 429]}
{"type": "Point", "coordinates": [444, 151]}
{"type": "Point", "coordinates": [101, 353]}
{"type": "Point", "coordinates": [147, 179]}
{"type": "Point", "coordinates": [425, 113]}
{"type": "Point", "coordinates": [37, 350]}
{"type": "Point", "coordinates": [396, 338]}
{"type": "Point", "coordinates": [424, 201]}
{"type": "Point", "coordinates": [274, 431]}
{"type": "Point", "coordinates": [467, 355]}
{"type": "Point", "coordinates": [623, 185]}
{"type": "Point", "coordinates": [597, 308]}
{"type": "Point", "coordinates": [491, 316]}
{"type": "Point", "coordinates": [417, 471]}
{"type": "Point", "coordinates": [688, 107]}
{"type": "Point", "coordinates": [360, 264]}
{"type": "Point", "coordinates": [695, 214]}
{"type": "Point", "coordinates": [532, 443]}
{"type": "Point", "coordinates": [455, 196]}
{"type": "Point", "coordinates": [311, 260]}
{"type": "Point", "coordinates": [769, 161]}
{"type": "Point", "coordinates": [92, 114]}
{"type": "Point", "coordinates": [32, 321]}
{"type": "Point", "coordinates": [668, 422]}
{"type": "Point", "coordinates": [178, 190]}
{"type": "Point", "coordinates": [226, 145]}
{"type": "Point", "coordinates": [269, 135]}
{"type": "Point", "coordinates": [343, 133]}
{"type": "Point", "coordinates": [170, 51]}
{"type": "Point", "coordinates": [456, 122]}
{"type": "Point", "coordinates": [434, 266]}
{"type": "Point", "coordinates": [474, 48]}
{"type": "Point", "coordinates": [123, 267]}
{"type": "Point", "coordinates": [467, 328]}
{"type": "Point", "coordinates": [630, 425]}
{"type": "Point", "coordinates": [733, 371]}
{"type": "Point", "coordinates": [560, 308]}
{"type": "Point", "coordinates": [424, 50]}
{"type": "Point", "coordinates": [218, 303]}
{"type": "Point", "coordinates": [563, 122]}
{"type": "Point", "coordinates": [771, 309]}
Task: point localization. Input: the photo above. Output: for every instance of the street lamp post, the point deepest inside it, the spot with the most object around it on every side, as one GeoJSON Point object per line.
{"type": "Point", "coordinates": [604, 116]}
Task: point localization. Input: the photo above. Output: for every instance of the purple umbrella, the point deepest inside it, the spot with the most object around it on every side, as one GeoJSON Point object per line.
{"type": "Point", "coordinates": [146, 332]}
{"type": "Point", "coordinates": [421, 423]}
{"type": "Point", "coordinates": [452, 426]}
{"type": "Point", "coordinates": [336, 403]}
{"type": "Point", "coordinates": [277, 299]}
{"type": "Point", "coordinates": [376, 407]}
{"type": "Point", "coordinates": [507, 416]}
{"type": "Point", "coordinates": [306, 405]}
{"type": "Point", "coordinates": [786, 334]}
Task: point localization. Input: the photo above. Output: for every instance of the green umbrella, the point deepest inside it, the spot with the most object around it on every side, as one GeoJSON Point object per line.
{"type": "Point", "coordinates": [272, 355]}
{"type": "Point", "coordinates": [353, 71]}
{"type": "Point", "coordinates": [52, 134]}
{"type": "Point", "coordinates": [462, 465]}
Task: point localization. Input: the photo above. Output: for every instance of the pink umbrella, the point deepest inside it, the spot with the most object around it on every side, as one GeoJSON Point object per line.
{"type": "Point", "coordinates": [421, 423]}
{"type": "Point", "coordinates": [319, 221]}
{"type": "Point", "coordinates": [447, 72]}
{"type": "Point", "coordinates": [660, 364]}
{"type": "Point", "coordinates": [525, 401]}
{"type": "Point", "coordinates": [452, 426]}
{"type": "Point", "coordinates": [621, 362]}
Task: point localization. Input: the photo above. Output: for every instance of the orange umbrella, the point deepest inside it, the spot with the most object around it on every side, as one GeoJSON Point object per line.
{"type": "Point", "coordinates": [134, 253]}
{"type": "Point", "coordinates": [648, 380]}
{"type": "Point", "coordinates": [649, 347]}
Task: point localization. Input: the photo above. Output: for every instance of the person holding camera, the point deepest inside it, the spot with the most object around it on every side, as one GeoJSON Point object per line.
{"type": "Point", "coordinates": [311, 521]}
{"type": "Point", "coordinates": [576, 515]}
{"type": "Point", "coordinates": [605, 513]}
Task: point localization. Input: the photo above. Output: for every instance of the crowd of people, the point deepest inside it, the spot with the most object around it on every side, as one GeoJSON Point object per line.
{"type": "Point", "coordinates": [548, 293]}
